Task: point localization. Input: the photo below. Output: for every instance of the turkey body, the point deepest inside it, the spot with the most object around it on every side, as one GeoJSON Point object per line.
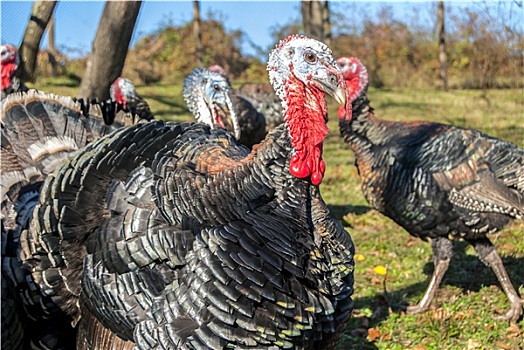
{"type": "Point", "coordinates": [437, 181]}
{"type": "Point", "coordinates": [40, 131]}
{"type": "Point", "coordinates": [123, 92]}
{"type": "Point", "coordinates": [259, 111]}
{"type": "Point", "coordinates": [175, 236]}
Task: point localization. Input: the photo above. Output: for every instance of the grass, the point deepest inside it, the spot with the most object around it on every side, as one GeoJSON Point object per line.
{"type": "Point", "coordinates": [462, 316]}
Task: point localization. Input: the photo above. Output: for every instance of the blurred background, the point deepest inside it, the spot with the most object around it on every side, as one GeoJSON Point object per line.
{"type": "Point", "coordinates": [400, 42]}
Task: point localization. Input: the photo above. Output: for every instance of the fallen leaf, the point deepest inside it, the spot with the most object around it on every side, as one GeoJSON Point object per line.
{"type": "Point", "coordinates": [359, 257]}
{"type": "Point", "coordinates": [380, 270]}
{"type": "Point", "coordinates": [503, 346]}
{"type": "Point", "coordinates": [419, 347]}
{"type": "Point", "coordinates": [373, 333]}
{"type": "Point", "coordinates": [473, 344]}
{"type": "Point", "coordinates": [513, 331]}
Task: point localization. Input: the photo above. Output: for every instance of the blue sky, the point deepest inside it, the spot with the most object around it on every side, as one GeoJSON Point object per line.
{"type": "Point", "coordinates": [77, 21]}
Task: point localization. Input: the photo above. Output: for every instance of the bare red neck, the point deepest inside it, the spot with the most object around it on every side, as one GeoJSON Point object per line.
{"type": "Point", "coordinates": [306, 117]}
{"type": "Point", "coordinates": [8, 70]}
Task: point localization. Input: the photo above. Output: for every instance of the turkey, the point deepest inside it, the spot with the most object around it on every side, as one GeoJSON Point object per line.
{"type": "Point", "coordinates": [39, 132]}
{"type": "Point", "coordinates": [123, 92]}
{"type": "Point", "coordinates": [172, 235]}
{"type": "Point", "coordinates": [436, 181]}
{"type": "Point", "coordinates": [10, 82]}
{"type": "Point", "coordinates": [259, 109]}
{"type": "Point", "coordinates": [207, 96]}
{"type": "Point", "coordinates": [125, 105]}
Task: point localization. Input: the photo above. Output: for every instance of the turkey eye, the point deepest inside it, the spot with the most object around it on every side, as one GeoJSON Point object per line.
{"type": "Point", "coordinates": [310, 57]}
{"type": "Point", "coordinates": [290, 52]}
{"type": "Point", "coordinates": [216, 87]}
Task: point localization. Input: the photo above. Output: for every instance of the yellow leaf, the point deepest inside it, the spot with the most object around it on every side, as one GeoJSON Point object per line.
{"type": "Point", "coordinates": [359, 257]}
{"type": "Point", "coordinates": [380, 270]}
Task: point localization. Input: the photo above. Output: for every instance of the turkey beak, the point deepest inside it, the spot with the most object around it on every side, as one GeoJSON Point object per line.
{"type": "Point", "coordinates": [340, 95]}
{"type": "Point", "coordinates": [227, 112]}
{"type": "Point", "coordinates": [333, 85]}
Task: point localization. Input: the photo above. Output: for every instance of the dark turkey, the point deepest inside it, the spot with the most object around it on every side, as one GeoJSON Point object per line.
{"type": "Point", "coordinates": [123, 92]}
{"type": "Point", "coordinates": [259, 109]}
{"type": "Point", "coordinates": [436, 181]}
{"type": "Point", "coordinates": [175, 236]}
{"type": "Point", "coordinates": [39, 132]}
{"type": "Point", "coordinates": [9, 64]}
{"type": "Point", "coordinates": [207, 96]}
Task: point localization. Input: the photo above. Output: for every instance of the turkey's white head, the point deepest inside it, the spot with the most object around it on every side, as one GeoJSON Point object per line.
{"type": "Point", "coordinates": [8, 54]}
{"type": "Point", "coordinates": [357, 79]}
{"type": "Point", "coordinates": [9, 57]}
{"type": "Point", "coordinates": [207, 95]}
{"type": "Point", "coordinates": [302, 70]}
{"type": "Point", "coordinates": [123, 91]}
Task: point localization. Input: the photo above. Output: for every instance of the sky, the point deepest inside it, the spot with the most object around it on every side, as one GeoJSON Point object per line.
{"type": "Point", "coordinates": [76, 21]}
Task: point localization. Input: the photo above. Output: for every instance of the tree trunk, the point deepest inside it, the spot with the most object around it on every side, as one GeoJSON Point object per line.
{"type": "Point", "coordinates": [52, 52]}
{"type": "Point", "coordinates": [110, 47]}
{"type": "Point", "coordinates": [315, 18]}
{"type": "Point", "coordinates": [197, 32]}
{"type": "Point", "coordinates": [28, 51]}
{"type": "Point", "coordinates": [443, 57]}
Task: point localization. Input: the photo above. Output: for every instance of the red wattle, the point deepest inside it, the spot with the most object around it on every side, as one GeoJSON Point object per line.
{"type": "Point", "coordinates": [7, 72]}
{"type": "Point", "coordinates": [341, 112]}
{"type": "Point", "coordinates": [299, 168]}
{"type": "Point", "coordinates": [316, 179]}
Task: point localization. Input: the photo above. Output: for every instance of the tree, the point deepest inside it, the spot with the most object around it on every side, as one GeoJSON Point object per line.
{"type": "Point", "coordinates": [442, 57]}
{"type": "Point", "coordinates": [197, 33]}
{"type": "Point", "coordinates": [40, 15]}
{"type": "Point", "coordinates": [315, 18]}
{"type": "Point", "coordinates": [110, 47]}
{"type": "Point", "coordinates": [52, 52]}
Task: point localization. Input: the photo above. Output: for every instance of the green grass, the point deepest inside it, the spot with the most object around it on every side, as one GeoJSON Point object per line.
{"type": "Point", "coordinates": [463, 312]}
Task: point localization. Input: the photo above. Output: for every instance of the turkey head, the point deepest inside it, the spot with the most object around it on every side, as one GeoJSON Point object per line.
{"type": "Point", "coordinates": [207, 95]}
{"type": "Point", "coordinates": [356, 77]}
{"type": "Point", "coordinates": [302, 70]}
{"type": "Point", "coordinates": [9, 59]}
{"type": "Point", "coordinates": [122, 91]}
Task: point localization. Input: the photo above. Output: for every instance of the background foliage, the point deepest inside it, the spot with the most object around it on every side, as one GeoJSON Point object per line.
{"type": "Point", "coordinates": [485, 47]}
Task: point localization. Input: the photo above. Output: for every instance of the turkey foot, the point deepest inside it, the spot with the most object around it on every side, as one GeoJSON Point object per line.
{"type": "Point", "coordinates": [442, 252]}
{"type": "Point", "coordinates": [493, 260]}
{"type": "Point", "coordinates": [441, 266]}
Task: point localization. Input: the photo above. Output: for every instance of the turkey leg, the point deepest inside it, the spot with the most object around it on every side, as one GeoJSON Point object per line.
{"type": "Point", "coordinates": [489, 256]}
{"type": "Point", "coordinates": [442, 252]}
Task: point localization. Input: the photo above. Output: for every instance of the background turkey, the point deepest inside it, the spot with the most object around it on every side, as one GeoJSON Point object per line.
{"type": "Point", "coordinates": [39, 132]}
{"type": "Point", "coordinates": [10, 82]}
{"type": "Point", "coordinates": [259, 109]}
{"type": "Point", "coordinates": [175, 236]}
{"type": "Point", "coordinates": [436, 181]}
{"type": "Point", "coordinates": [207, 96]}
{"type": "Point", "coordinates": [125, 105]}
{"type": "Point", "coordinates": [123, 91]}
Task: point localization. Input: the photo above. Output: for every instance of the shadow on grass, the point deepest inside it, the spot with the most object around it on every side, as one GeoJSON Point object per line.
{"type": "Point", "coordinates": [339, 211]}
{"type": "Point", "coordinates": [466, 272]}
